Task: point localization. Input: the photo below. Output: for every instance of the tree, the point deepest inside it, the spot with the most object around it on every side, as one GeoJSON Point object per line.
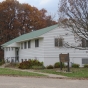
{"type": "Point", "coordinates": [17, 19]}
{"type": "Point", "coordinates": [7, 16]}
{"type": "Point", "coordinates": [74, 14]}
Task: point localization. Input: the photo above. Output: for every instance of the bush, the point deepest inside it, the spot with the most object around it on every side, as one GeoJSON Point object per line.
{"type": "Point", "coordinates": [36, 63]}
{"type": "Point", "coordinates": [38, 67]}
{"type": "Point", "coordinates": [2, 62]}
{"type": "Point", "coordinates": [25, 65]}
{"type": "Point", "coordinates": [57, 65]}
{"type": "Point", "coordinates": [50, 67]}
{"type": "Point", "coordinates": [29, 64]}
{"type": "Point", "coordinates": [86, 66]}
{"type": "Point", "coordinates": [75, 65]}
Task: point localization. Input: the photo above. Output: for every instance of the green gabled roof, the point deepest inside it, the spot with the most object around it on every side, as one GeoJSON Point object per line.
{"type": "Point", "coordinates": [31, 35]}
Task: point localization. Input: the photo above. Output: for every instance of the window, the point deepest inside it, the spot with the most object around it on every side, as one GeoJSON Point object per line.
{"type": "Point", "coordinates": [21, 45]}
{"type": "Point", "coordinates": [58, 42]}
{"type": "Point", "coordinates": [29, 44]}
{"type": "Point", "coordinates": [25, 45]}
{"type": "Point", "coordinates": [6, 49]}
{"type": "Point", "coordinates": [12, 48]}
{"type": "Point", "coordinates": [9, 48]}
{"type": "Point", "coordinates": [37, 43]}
{"type": "Point", "coordinates": [84, 61]}
{"type": "Point", "coordinates": [84, 43]}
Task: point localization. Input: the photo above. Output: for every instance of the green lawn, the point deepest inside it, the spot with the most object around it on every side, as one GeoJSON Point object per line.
{"type": "Point", "coordinates": [75, 72]}
{"type": "Point", "coordinates": [10, 72]}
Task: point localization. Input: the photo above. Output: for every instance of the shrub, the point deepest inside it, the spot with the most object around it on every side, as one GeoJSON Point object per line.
{"type": "Point", "coordinates": [75, 65]}
{"type": "Point", "coordinates": [30, 64]}
{"type": "Point", "coordinates": [2, 62]}
{"type": "Point", "coordinates": [36, 63]}
{"type": "Point", "coordinates": [57, 65]}
{"type": "Point", "coordinates": [37, 67]}
{"type": "Point", "coordinates": [86, 66]}
{"type": "Point", "coordinates": [25, 65]}
{"type": "Point", "coordinates": [50, 67]}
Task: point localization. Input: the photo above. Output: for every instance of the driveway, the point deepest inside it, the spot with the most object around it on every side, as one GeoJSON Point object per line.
{"type": "Point", "coordinates": [30, 82]}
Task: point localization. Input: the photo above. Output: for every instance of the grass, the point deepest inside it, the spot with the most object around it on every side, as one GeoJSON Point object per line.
{"type": "Point", "coordinates": [75, 72]}
{"type": "Point", "coordinates": [10, 72]}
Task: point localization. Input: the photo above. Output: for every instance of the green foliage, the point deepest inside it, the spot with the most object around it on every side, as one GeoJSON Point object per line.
{"type": "Point", "coordinates": [75, 65]}
{"type": "Point", "coordinates": [57, 65]}
{"type": "Point", "coordinates": [25, 65]}
{"type": "Point", "coordinates": [38, 67]}
{"type": "Point", "coordinates": [86, 66]}
{"type": "Point", "coordinates": [2, 62]}
{"type": "Point", "coordinates": [35, 63]}
{"type": "Point", "coordinates": [50, 67]}
{"type": "Point", "coordinates": [29, 64]}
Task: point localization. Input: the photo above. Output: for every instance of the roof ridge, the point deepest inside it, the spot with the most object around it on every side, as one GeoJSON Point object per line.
{"type": "Point", "coordinates": [40, 29]}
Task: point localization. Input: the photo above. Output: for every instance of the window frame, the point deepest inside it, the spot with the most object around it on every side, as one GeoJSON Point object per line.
{"type": "Point", "coordinates": [85, 61]}
{"type": "Point", "coordinates": [6, 49]}
{"type": "Point", "coordinates": [12, 48]}
{"type": "Point", "coordinates": [25, 45]}
{"type": "Point", "coordinates": [29, 44]}
{"type": "Point", "coordinates": [58, 42]}
{"type": "Point", "coordinates": [22, 45]}
{"type": "Point", "coordinates": [36, 42]}
{"type": "Point", "coordinates": [84, 42]}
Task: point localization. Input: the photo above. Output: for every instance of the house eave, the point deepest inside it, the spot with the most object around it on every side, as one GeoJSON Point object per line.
{"type": "Point", "coordinates": [29, 39]}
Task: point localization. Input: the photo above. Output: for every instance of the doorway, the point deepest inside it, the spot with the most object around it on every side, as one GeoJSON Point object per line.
{"type": "Point", "coordinates": [16, 54]}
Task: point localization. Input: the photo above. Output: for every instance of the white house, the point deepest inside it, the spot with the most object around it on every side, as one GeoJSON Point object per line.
{"type": "Point", "coordinates": [45, 45]}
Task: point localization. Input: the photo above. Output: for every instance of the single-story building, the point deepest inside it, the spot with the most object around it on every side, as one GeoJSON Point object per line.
{"type": "Point", "coordinates": [45, 45]}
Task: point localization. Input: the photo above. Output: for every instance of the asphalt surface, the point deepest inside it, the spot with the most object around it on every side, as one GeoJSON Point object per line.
{"type": "Point", "coordinates": [31, 82]}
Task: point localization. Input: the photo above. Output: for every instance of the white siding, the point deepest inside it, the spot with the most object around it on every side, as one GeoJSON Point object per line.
{"type": "Point", "coordinates": [51, 53]}
{"type": "Point", "coordinates": [47, 52]}
{"type": "Point", "coordinates": [14, 45]}
{"type": "Point", "coordinates": [9, 54]}
{"type": "Point", "coordinates": [32, 52]}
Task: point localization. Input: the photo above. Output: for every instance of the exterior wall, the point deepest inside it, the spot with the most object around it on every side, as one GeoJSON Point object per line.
{"type": "Point", "coordinates": [78, 55]}
{"type": "Point", "coordinates": [14, 45]}
{"type": "Point", "coordinates": [33, 52]}
{"type": "Point", "coordinates": [25, 54]}
{"type": "Point", "coordinates": [47, 52]}
{"type": "Point", "coordinates": [9, 54]}
{"type": "Point", "coordinates": [51, 53]}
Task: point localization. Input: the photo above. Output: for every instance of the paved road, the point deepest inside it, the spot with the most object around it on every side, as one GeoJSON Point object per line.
{"type": "Point", "coordinates": [28, 82]}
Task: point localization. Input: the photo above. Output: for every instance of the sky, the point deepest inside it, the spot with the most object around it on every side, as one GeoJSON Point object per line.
{"type": "Point", "coordinates": [50, 5]}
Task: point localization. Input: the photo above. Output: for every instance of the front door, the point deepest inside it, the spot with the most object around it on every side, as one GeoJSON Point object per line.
{"type": "Point", "coordinates": [17, 54]}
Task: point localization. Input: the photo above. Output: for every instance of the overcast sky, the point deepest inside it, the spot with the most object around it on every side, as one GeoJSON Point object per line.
{"type": "Point", "coordinates": [50, 5]}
